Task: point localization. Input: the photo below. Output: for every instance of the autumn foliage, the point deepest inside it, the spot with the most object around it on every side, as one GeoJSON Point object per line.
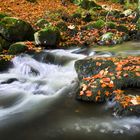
{"type": "Point", "coordinates": [106, 78]}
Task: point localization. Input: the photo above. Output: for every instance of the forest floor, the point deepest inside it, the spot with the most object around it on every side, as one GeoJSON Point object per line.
{"type": "Point", "coordinates": [31, 12]}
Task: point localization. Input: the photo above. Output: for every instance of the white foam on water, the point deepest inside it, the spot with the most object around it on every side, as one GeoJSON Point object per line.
{"type": "Point", "coordinates": [36, 81]}
{"type": "Point", "coordinates": [128, 125]}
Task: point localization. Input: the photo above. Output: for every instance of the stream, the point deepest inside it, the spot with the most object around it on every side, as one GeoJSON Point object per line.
{"type": "Point", "coordinates": [37, 99]}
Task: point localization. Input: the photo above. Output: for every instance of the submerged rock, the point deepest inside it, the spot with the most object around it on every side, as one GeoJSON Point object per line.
{"type": "Point", "coordinates": [9, 81]}
{"type": "Point", "coordinates": [14, 29]}
{"type": "Point", "coordinates": [103, 78]}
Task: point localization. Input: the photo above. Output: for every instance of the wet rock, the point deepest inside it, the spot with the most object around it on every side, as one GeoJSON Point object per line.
{"type": "Point", "coordinates": [102, 78]}
{"type": "Point", "coordinates": [127, 105]}
{"type": "Point", "coordinates": [16, 48]}
{"type": "Point", "coordinates": [9, 81]}
{"type": "Point", "coordinates": [14, 29]}
{"type": "Point", "coordinates": [48, 37]}
{"type": "Point", "coordinates": [119, 110]}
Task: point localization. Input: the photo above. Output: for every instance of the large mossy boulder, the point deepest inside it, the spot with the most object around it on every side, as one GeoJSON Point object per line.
{"type": "Point", "coordinates": [14, 29]}
{"type": "Point", "coordinates": [17, 48]}
{"type": "Point", "coordinates": [4, 44]}
{"type": "Point", "coordinates": [48, 37]}
{"type": "Point", "coordinates": [103, 78]}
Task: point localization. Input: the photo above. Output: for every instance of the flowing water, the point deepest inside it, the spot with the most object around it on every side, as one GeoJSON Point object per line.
{"type": "Point", "coordinates": [37, 101]}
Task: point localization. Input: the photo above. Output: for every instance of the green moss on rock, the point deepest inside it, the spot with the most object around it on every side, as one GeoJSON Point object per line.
{"type": "Point", "coordinates": [13, 29]}
{"type": "Point", "coordinates": [17, 48]}
{"type": "Point", "coordinates": [101, 77]}
{"type": "Point", "coordinates": [99, 24]}
{"type": "Point", "coordinates": [111, 25]}
{"type": "Point", "coordinates": [49, 36]}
